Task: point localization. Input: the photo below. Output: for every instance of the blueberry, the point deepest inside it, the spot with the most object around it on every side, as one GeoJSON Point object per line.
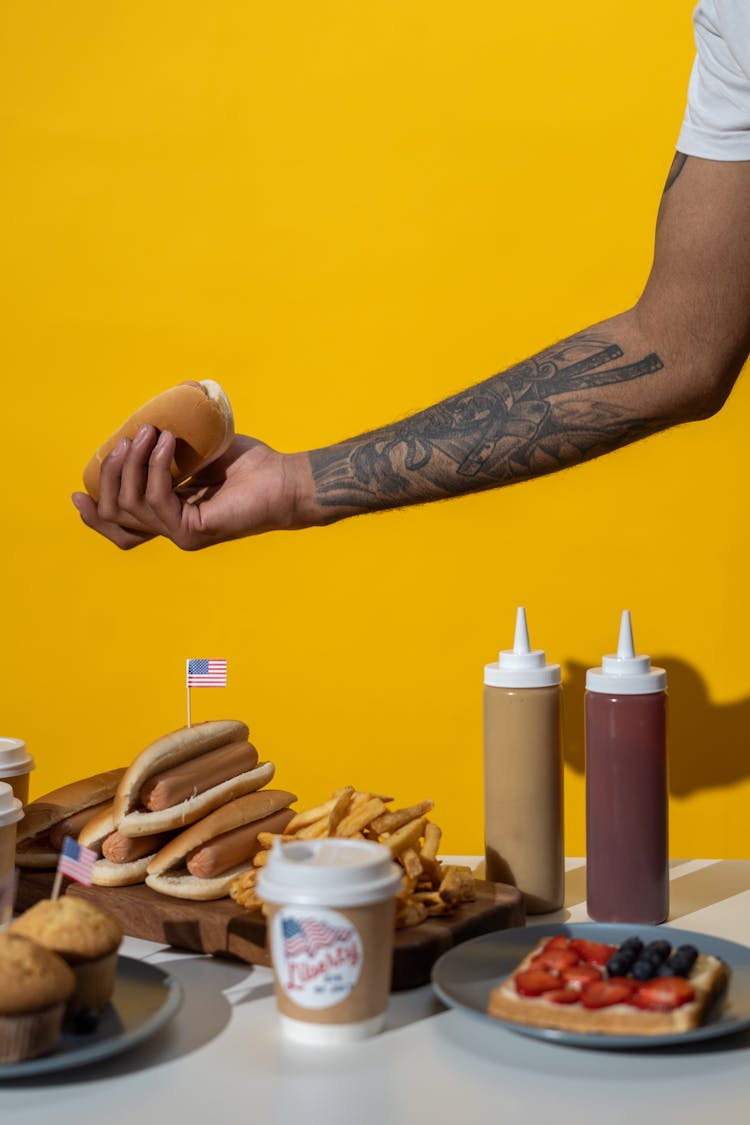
{"type": "Point", "coordinates": [633, 943]}
{"type": "Point", "coordinates": [687, 952]}
{"type": "Point", "coordinates": [627, 953]}
{"type": "Point", "coordinates": [618, 965]}
{"type": "Point", "coordinates": [644, 969]}
{"type": "Point", "coordinates": [661, 949]}
{"type": "Point", "coordinates": [668, 970]}
{"type": "Point", "coordinates": [621, 962]}
{"type": "Point", "coordinates": [682, 960]}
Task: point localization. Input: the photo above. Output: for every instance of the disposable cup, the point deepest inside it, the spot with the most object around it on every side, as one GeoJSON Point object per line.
{"type": "Point", "coordinates": [15, 766]}
{"type": "Point", "coordinates": [11, 811]}
{"type": "Point", "coordinates": [330, 908]}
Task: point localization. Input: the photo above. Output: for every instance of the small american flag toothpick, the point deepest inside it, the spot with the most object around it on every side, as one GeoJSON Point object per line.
{"type": "Point", "coordinates": [204, 673]}
{"type": "Point", "coordinates": [76, 862]}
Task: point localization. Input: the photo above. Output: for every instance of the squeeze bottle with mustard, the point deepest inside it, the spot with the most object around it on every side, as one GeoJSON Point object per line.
{"type": "Point", "coordinates": [523, 773]}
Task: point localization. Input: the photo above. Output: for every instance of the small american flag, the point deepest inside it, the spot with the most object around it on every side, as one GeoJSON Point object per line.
{"type": "Point", "coordinates": [309, 936]}
{"type": "Point", "coordinates": [76, 861]}
{"type": "Point", "coordinates": [206, 673]}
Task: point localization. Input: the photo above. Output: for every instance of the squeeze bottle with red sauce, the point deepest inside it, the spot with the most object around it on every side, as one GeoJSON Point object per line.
{"type": "Point", "coordinates": [627, 858]}
{"type": "Point", "coordinates": [523, 807]}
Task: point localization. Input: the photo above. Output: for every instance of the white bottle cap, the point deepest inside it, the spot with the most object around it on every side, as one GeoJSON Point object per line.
{"type": "Point", "coordinates": [624, 673]}
{"type": "Point", "coordinates": [521, 666]}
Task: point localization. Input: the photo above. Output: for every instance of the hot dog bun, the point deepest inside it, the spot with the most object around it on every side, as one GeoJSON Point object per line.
{"type": "Point", "coordinates": [33, 848]}
{"type": "Point", "coordinates": [181, 746]}
{"type": "Point", "coordinates": [198, 414]}
{"type": "Point", "coordinates": [167, 871]}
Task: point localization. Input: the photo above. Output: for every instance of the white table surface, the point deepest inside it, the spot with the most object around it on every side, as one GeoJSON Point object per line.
{"type": "Point", "coordinates": [223, 1058]}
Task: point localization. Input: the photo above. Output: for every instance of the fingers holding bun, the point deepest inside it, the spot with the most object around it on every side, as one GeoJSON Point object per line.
{"type": "Point", "coordinates": [197, 413]}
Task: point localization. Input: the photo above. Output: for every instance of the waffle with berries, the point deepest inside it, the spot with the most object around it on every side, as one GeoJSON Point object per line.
{"type": "Point", "coordinates": [636, 988]}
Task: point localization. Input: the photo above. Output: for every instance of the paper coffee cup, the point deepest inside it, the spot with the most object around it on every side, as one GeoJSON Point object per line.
{"type": "Point", "coordinates": [15, 766]}
{"type": "Point", "coordinates": [330, 909]}
{"type": "Point", "coordinates": [11, 811]}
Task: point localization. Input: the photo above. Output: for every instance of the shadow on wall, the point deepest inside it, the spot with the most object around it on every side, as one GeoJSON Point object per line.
{"type": "Point", "coordinates": [708, 742]}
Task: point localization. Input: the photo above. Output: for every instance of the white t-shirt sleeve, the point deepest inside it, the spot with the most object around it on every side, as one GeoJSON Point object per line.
{"type": "Point", "coordinates": [716, 125]}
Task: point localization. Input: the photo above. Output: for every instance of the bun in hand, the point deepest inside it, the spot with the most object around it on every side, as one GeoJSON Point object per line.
{"type": "Point", "coordinates": [198, 414]}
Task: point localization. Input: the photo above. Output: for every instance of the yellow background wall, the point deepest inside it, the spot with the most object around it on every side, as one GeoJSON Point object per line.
{"type": "Point", "coordinates": [343, 212]}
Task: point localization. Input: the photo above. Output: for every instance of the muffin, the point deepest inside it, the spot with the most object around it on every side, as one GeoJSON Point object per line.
{"type": "Point", "coordinates": [85, 937]}
{"type": "Point", "coordinates": [35, 986]}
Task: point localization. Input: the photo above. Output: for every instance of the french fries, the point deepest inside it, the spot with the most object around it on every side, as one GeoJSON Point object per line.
{"type": "Point", "coordinates": [429, 887]}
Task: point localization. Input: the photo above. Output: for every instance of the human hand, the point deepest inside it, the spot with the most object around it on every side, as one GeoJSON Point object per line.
{"type": "Point", "coordinates": [251, 489]}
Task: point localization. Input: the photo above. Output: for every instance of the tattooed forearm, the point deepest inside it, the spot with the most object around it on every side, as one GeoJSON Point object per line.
{"type": "Point", "coordinates": [544, 414]}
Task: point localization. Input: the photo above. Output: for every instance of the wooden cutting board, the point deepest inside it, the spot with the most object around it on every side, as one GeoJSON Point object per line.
{"type": "Point", "coordinates": [224, 929]}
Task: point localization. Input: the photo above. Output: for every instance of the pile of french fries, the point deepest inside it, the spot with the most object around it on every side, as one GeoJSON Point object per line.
{"type": "Point", "coordinates": [429, 887]}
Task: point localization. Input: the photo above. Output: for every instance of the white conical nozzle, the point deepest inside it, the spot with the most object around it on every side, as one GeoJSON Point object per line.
{"type": "Point", "coordinates": [625, 650]}
{"type": "Point", "coordinates": [522, 666]}
{"type": "Point", "coordinates": [623, 671]}
{"type": "Point", "coordinates": [521, 644]}
{"type": "Point", "coordinates": [625, 662]}
{"type": "Point", "coordinates": [522, 655]}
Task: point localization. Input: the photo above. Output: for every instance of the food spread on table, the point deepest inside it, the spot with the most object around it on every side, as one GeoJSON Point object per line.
{"type": "Point", "coordinates": [194, 817]}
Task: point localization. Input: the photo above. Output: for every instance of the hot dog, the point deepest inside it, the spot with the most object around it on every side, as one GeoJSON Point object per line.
{"type": "Point", "coordinates": [178, 768]}
{"type": "Point", "coordinates": [197, 413]}
{"type": "Point", "coordinates": [122, 860]}
{"type": "Point", "coordinates": [234, 847]}
{"type": "Point", "coordinates": [170, 786]}
{"type": "Point", "coordinates": [202, 861]}
{"type": "Point", "coordinates": [49, 818]}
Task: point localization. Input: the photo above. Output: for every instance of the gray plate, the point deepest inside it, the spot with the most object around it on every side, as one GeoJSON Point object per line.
{"type": "Point", "coordinates": [464, 976]}
{"type": "Point", "coordinates": [145, 999]}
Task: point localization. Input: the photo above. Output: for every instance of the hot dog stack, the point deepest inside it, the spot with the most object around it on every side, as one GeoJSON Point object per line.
{"type": "Point", "coordinates": [183, 817]}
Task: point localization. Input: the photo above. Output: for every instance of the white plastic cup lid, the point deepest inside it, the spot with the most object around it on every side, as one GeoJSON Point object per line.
{"type": "Point", "coordinates": [11, 809]}
{"type": "Point", "coordinates": [14, 758]}
{"type": "Point", "coordinates": [329, 872]}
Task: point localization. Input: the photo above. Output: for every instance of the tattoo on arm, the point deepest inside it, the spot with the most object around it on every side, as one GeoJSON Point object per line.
{"type": "Point", "coordinates": [535, 418]}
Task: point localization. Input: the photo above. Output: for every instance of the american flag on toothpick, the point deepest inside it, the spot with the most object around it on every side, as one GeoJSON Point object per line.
{"type": "Point", "coordinates": [206, 673]}
{"type": "Point", "coordinates": [76, 862]}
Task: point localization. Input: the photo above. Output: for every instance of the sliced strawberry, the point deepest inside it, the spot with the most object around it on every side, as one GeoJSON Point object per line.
{"type": "Point", "coordinates": [664, 994]}
{"type": "Point", "coordinates": [604, 993]}
{"type": "Point", "coordinates": [580, 974]}
{"type": "Point", "coordinates": [559, 941]}
{"type": "Point", "coordinates": [593, 952]}
{"type": "Point", "coordinates": [555, 959]}
{"type": "Point", "coordinates": [534, 982]}
{"type": "Point", "coordinates": [563, 996]}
